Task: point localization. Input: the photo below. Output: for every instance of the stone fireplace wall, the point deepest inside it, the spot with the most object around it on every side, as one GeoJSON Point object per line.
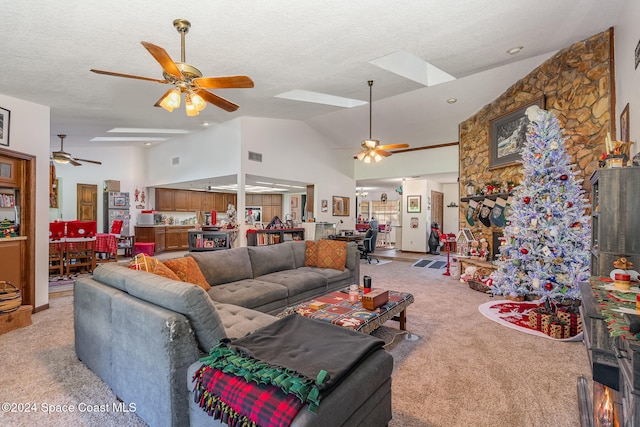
{"type": "Point", "coordinates": [577, 84]}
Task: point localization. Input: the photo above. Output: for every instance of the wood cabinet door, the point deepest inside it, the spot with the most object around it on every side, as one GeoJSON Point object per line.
{"type": "Point", "coordinates": [159, 240]}
{"type": "Point", "coordinates": [165, 199]}
{"type": "Point", "coordinates": [11, 255]}
{"type": "Point", "coordinates": [87, 202]}
{"type": "Point", "coordinates": [172, 238]}
{"type": "Point", "coordinates": [9, 172]}
{"type": "Point", "coordinates": [208, 201]}
{"type": "Point", "coordinates": [181, 200]}
{"type": "Point", "coordinates": [252, 200]}
{"type": "Point", "coordinates": [195, 200]}
{"type": "Point", "coordinates": [266, 200]}
{"type": "Point", "coordinates": [184, 239]}
{"type": "Point", "coordinates": [219, 202]}
{"type": "Point", "coordinates": [276, 200]}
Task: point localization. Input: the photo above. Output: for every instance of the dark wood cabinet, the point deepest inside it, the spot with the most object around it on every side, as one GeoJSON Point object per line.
{"type": "Point", "coordinates": [177, 237]}
{"type": "Point", "coordinates": [615, 229]}
{"type": "Point", "coordinates": [208, 201]}
{"type": "Point", "coordinates": [201, 240]}
{"type": "Point", "coordinates": [181, 200]}
{"type": "Point", "coordinates": [152, 234]}
{"type": "Point", "coordinates": [9, 172]}
{"type": "Point", "coordinates": [165, 199]}
{"type": "Point", "coordinates": [196, 201]}
{"type": "Point", "coordinates": [272, 237]}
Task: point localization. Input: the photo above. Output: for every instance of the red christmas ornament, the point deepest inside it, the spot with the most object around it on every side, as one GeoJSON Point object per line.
{"type": "Point", "coordinates": [527, 199]}
{"type": "Point", "coordinates": [548, 286]}
{"type": "Point", "coordinates": [576, 224]}
{"type": "Point", "coordinates": [524, 251]}
{"type": "Point", "coordinates": [569, 204]}
{"type": "Point", "coordinates": [564, 177]}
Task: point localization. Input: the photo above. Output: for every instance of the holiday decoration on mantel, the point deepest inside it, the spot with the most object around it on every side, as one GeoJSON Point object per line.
{"type": "Point", "coordinates": [546, 250]}
{"type": "Point", "coordinates": [616, 154]}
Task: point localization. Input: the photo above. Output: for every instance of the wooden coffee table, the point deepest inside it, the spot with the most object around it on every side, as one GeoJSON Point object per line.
{"type": "Point", "coordinates": [341, 312]}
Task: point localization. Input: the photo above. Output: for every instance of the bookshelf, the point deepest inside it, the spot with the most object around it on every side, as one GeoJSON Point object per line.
{"type": "Point", "coordinates": [202, 240]}
{"type": "Point", "coordinates": [273, 236]}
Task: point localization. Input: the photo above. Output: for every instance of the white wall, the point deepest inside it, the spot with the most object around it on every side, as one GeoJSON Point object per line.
{"type": "Point", "coordinates": [124, 164]}
{"type": "Point", "coordinates": [627, 37]}
{"type": "Point", "coordinates": [415, 239]}
{"type": "Point", "coordinates": [29, 134]}
{"type": "Point", "coordinates": [294, 151]}
{"type": "Point", "coordinates": [451, 195]}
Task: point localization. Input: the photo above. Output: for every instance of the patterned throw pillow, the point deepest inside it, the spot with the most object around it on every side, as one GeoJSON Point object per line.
{"type": "Point", "coordinates": [332, 254]}
{"type": "Point", "coordinates": [152, 265]}
{"type": "Point", "coordinates": [311, 253]}
{"type": "Point", "coordinates": [187, 270]}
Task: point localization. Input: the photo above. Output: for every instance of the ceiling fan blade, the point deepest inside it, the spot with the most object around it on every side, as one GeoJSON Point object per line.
{"type": "Point", "coordinates": [164, 60]}
{"type": "Point", "coordinates": [223, 82]}
{"type": "Point", "coordinates": [74, 163]}
{"type": "Point", "coordinates": [216, 100]}
{"type": "Point", "coordinates": [383, 153]}
{"type": "Point", "coordinates": [129, 76]}
{"type": "Point", "coordinates": [85, 160]}
{"type": "Point", "coordinates": [393, 146]}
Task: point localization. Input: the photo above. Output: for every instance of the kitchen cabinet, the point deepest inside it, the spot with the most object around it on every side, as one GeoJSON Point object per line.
{"type": "Point", "coordinates": [152, 234]}
{"type": "Point", "coordinates": [196, 201]}
{"type": "Point", "coordinates": [181, 200]}
{"type": "Point", "coordinates": [177, 237]}
{"type": "Point", "coordinates": [165, 199]}
{"type": "Point", "coordinates": [208, 201]}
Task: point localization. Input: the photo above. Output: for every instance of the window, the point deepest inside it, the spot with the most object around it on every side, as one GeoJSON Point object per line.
{"type": "Point", "coordinates": [386, 212]}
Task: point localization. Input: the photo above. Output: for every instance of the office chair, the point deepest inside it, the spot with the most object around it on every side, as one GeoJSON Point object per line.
{"type": "Point", "coordinates": [368, 245]}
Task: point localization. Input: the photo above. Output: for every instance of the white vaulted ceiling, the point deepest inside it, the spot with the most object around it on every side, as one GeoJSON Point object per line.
{"type": "Point", "coordinates": [47, 49]}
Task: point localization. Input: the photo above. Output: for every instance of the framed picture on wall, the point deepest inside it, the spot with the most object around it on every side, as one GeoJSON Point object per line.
{"type": "Point", "coordinates": [324, 206]}
{"type": "Point", "coordinates": [340, 206]}
{"type": "Point", "coordinates": [624, 125]}
{"type": "Point", "coordinates": [507, 135]}
{"type": "Point", "coordinates": [414, 204]}
{"type": "Point", "coordinates": [5, 116]}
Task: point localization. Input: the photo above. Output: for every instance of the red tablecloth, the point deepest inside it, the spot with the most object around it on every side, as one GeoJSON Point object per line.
{"type": "Point", "coordinates": [106, 243]}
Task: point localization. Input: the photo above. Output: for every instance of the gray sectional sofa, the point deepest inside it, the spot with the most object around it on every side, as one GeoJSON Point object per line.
{"type": "Point", "coordinates": [143, 334]}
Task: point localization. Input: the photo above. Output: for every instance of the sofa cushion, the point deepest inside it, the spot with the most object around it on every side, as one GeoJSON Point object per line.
{"type": "Point", "coordinates": [298, 248]}
{"type": "Point", "coordinates": [239, 321]}
{"type": "Point", "coordinates": [224, 266]}
{"type": "Point", "coordinates": [297, 281]}
{"type": "Point", "coordinates": [330, 274]}
{"type": "Point", "coordinates": [187, 270]}
{"type": "Point", "coordinates": [269, 259]}
{"type": "Point", "coordinates": [332, 254]}
{"type": "Point", "coordinates": [149, 264]}
{"type": "Point", "coordinates": [187, 299]}
{"type": "Point", "coordinates": [311, 253]}
{"type": "Point", "coordinates": [248, 293]}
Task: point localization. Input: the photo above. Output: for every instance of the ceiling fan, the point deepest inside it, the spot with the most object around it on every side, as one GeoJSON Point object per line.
{"type": "Point", "coordinates": [187, 79]}
{"type": "Point", "coordinates": [64, 157]}
{"type": "Point", "coordinates": [371, 148]}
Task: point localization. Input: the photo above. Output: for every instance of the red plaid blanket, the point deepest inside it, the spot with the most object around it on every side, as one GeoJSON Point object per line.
{"type": "Point", "coordinates": [233, 401]}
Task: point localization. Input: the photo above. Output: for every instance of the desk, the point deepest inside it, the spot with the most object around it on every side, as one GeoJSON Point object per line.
{"type": "Point", "coordinates": [352, 238]}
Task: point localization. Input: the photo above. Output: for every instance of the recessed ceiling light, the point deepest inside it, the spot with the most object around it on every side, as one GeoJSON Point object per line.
{"type": "Point", "coordinates": [147, 130]}
{"type": "Point", "coordinates": [147, 143]}
{"type": "Point", "coordinates": [515, 50]}
{"type": "Point", "coordinates": [452, 100]}
{"type": "Point", "coordinates": [205, 124]}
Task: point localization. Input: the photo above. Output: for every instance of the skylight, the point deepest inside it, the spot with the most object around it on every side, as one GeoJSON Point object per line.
{"type": "Point", "coordinates": [320, 98]}
{"type": "Point", "coordinates": [413, 68]}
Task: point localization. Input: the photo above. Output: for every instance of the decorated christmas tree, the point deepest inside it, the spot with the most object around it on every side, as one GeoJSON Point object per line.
{"type": "Point", "coordinates": [546, 247]}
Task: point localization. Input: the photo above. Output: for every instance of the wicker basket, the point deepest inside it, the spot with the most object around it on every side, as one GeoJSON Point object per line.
{"type": "Point", "coordinates": [10, 297]}
{"type": "Point", "coordinates": [477, 285]}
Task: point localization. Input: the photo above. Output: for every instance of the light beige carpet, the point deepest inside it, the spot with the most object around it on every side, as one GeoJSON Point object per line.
{"type": "Point", "coordinates": [464, 370]}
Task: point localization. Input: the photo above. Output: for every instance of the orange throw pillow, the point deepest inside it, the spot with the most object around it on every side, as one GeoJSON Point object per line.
{"type": "Point", "coordinates": [332, 254]}
{"type": "Point", "coordinates": [152, 265]}
{"type": "Point", "coordinates": [187, 270]}
{"type": "Point", "coordinates": [311, 254]}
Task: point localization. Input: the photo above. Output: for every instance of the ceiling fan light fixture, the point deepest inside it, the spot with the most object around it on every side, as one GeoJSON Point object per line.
{"type": "Point", "coordinates": [377, 157]}
{"type": "Point", "coordinates": [367, 159]}
{"type": "Point", "coordinates": [361, 155]}
{"type": "Point", "coordinates": [370, 143]}
{"type": "Point", "coordinates": [171, 100]}
{"type": "Point", "coordinates": [198, 102]}
{"type": "Point", "coordinates": [61, 160]}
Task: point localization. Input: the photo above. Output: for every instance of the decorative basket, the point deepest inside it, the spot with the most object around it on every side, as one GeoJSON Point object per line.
{"type": "Point", "coordinates": [476, 285]}
{"type": "Point", "coordinates": [10, 297]}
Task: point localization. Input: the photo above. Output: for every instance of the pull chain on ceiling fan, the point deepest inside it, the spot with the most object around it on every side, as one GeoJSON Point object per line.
{"type": "Point", "coordinates": [63, 157]}
{"type": "Point", "coordinates": [186, 79]}
{"type": "Point", "coordinates": [371, 148]}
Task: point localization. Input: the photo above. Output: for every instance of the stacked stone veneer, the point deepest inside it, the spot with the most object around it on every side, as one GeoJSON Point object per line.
{"type": "Point", "coordinates": [577, 86]}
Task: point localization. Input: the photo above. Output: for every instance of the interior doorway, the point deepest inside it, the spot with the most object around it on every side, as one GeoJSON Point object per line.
{"type": "Point", "coordinates": [437, 208]}
{"type": "Point", "coordinates": [87, 202]}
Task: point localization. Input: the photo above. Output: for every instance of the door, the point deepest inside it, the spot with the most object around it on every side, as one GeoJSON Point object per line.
{"type": "Point", "coordinates": [87, 202]}
{"type": "Point", "coordinates": [437, 208]}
